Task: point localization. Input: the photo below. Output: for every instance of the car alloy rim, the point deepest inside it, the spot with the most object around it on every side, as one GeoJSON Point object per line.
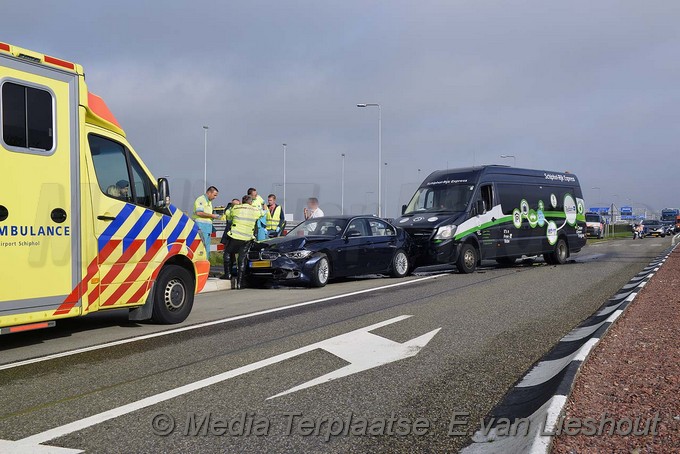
{"type": "Point", "coordinates": [174, 295]}
{"type": "Point", "coordinates": [323, 271]}
{"type": "Point", "coordinates": [401, 263]}
{"type": "Point", "coordinates": [469, 258]}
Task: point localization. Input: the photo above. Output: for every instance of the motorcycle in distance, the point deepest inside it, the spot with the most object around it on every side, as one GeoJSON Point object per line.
{"type": "Point", "coordinates": [638, 232]}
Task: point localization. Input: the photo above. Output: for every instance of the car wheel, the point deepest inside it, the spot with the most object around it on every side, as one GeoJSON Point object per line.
{"type": "Point", "coordinates": [321, 273]}
{"type": "Point", "coordinates": [561, 253]}
{"type": "Point", "coordinates": [467, 260]}
{"type": "Point", "coordinates": [400, 264]}
{"type": "Point", "coordinates": [173, 295]}
{"type": "Point", "coordinates": [506, 261]}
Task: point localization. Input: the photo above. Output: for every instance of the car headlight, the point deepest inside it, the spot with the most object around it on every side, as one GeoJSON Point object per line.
{"type": "Point", "coordinates": [298, 254]}
{"type": "Point", "coordinates": [445, 232]}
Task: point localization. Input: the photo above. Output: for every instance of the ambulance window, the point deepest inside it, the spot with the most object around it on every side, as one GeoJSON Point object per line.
{"type": "Point", "coordinates": [111, 168]}
{"type": "Point", "coordinates": [141, 183]}
{"type": "Point", "coordinates": [27, 120]}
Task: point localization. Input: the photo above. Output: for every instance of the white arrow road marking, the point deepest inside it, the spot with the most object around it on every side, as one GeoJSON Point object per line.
{"type": "Point", "coordinates": [363, 349]}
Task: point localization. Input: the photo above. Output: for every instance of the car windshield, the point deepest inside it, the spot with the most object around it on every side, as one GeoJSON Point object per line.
{"type": "Point", "coordinates": [329, 227]}
{"type": "Point", "coordinates": [650, 222]}
{"type": "Point", "coordinates": [592, 218]}
{"type": "Point", "coordinates": [453, 198]}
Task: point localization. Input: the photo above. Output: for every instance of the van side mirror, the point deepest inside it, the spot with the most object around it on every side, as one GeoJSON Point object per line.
{"type": "Point", "coordinates": [481, 207]}
{"type": "Point", "coordinates": [403, 209]}
{"type": "Point", "coordinates": [163, 197]}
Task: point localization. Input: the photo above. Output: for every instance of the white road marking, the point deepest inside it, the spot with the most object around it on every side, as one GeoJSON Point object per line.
{"type": "Point", "coordinates": [366, 349]}
{"type": "Point", "coordinates": [204, 324]}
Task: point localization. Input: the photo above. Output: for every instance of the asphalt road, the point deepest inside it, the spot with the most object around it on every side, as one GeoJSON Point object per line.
{"type": "Point", "coordinates": [492, 326]}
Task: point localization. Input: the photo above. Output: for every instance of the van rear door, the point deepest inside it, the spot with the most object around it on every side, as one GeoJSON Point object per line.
{"type": "Point", "coordinates": [39, 200]}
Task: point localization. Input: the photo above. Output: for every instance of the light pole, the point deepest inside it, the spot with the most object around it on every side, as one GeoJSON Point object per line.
{"type": "Point", "coordinates": [205, 158]}
{"type": "Point", "coordinates": [342, 186]}
{"type": "Point", "coordinates": [284, 180]}
{"type": "Point", "coordinates": [385, 196]}
{"type": "Point", "coordinates": [514, 160]}
{"type": "Point", "coordinates": [379, 150]}
{"type": "Point", "coordinates": [599, 194]}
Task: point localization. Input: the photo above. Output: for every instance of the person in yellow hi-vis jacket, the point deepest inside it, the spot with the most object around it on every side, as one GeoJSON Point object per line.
{"type": "Point", "coordinates": [203, 216]}
{"type": "Point", "coordinates": [241, 234]}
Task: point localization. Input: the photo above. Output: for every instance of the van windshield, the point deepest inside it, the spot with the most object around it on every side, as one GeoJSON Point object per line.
{"type": "Point", "coordinates": [441, 198]}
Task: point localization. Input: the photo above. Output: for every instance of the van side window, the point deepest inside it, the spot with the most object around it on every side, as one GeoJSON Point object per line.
{"type": "Point", "coordinates": [141, 183]}
{"type": "Point", "coordinates": [111, 168]}
{"type": "Point", "coordinates": [486, 193]}
{"type": "Point", "coordinates": [27, 119]}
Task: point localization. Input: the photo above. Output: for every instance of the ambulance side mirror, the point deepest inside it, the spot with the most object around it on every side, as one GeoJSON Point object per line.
{"type": "Point", "coordinates": [163, 193]}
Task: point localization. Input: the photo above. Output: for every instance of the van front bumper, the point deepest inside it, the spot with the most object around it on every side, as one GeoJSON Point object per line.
{"type": "Point", "coordinates": [438, 252]}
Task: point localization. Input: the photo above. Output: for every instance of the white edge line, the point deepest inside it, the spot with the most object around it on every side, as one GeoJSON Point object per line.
{"type": "Point", "coordinates": [204, 324]}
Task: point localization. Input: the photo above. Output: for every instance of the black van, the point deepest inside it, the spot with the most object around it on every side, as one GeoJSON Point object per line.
{"type": "Point", "coordinates": [463, 216]}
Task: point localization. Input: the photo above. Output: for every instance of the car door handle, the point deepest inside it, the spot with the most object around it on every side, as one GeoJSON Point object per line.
{"type": "Point", "coordinates": [103, 217]}
{"type": "Point", "coordinates": [493, 219]}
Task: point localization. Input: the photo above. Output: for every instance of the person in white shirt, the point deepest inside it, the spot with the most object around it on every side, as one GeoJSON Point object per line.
{"type": "Point", "coordinates": [313, 210]}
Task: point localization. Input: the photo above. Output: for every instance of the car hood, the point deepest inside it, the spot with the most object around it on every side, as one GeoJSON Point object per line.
{"type": "Point", "coordinates": [288, 244]}
{"type": "Point", "coordinates": [428, 220]}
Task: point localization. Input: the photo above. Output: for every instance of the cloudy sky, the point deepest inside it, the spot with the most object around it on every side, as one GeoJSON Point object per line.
{"type": "Point", "coordinates": [592, 87]}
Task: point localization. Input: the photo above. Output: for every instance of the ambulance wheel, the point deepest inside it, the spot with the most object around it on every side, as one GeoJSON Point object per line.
{"type": "Point", "coordinates": [320, 273]}
{"type": "Point", "coordinates": [173, 295]}
{"type": "Point", "coordinates": [467, 260]}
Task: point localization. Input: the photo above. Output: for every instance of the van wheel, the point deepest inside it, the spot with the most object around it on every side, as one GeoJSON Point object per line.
{"type": "Point", "coordinates": [467, 260]}
{"type": "Point", "coordinates": [560, 254]}
{"type": "Point", "coordinates": [400, 264]}
{"type": "Point", "coordinates": [506, 261]}
{"type": "Point", "coordinates": [173, 295]}
{"type": "Point", "coordinates": [320, 273]}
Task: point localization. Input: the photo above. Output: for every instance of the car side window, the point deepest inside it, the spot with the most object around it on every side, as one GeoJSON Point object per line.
{"type": "Point", "coordinates": [110, 165]}
{"type": "Point", "coordinates": [359, 225]}
{"type": "Point", "coordinates": [381, 228]}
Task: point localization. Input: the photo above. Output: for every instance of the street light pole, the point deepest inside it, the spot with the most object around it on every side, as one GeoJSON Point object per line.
{"type": "Point", "coordinates": [379, 151]}
{"type": "Point", "coordinates": [514, 160]}
{"type": "Point", "coordinates": [205, 158]}
{"type": "Point", "coordinates": [284, 180]}
{"type": "Point", "coordinates": [599, 194]}
{"type": "Point", "coordinates": [342, 186]}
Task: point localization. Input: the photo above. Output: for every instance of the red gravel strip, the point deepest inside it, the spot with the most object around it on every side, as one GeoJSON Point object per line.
{"type": "Point", "coordinates": [634, 372]}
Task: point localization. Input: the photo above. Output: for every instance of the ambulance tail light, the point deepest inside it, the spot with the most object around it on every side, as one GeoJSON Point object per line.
{"type": "Point", "coordinates": [4, 47]}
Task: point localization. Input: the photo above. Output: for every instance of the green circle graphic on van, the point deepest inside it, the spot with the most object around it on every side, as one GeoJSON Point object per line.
{"type": "Point", "coordinates": [533, 218]}
{"type": "Point", "coordinates": [552, 233]}
{"type": "Point", "coordinates": [553, 200]}
{"type": "Point", "coordinates": [517, 218]}
{"type": "Point", "coordinates": [541, 218]}
{"type": "Point", "coordinates": [541, 205]}
{"type": "Point", "coordinates": [579, 206]}
{"type": "Point", "coordinates": [570, 209]}
{"type": "Point", "coordinates": [524, 207]}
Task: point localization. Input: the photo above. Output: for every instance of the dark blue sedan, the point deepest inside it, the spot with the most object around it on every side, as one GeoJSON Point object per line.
{"type": "Point", "coordinates": [324, 248]}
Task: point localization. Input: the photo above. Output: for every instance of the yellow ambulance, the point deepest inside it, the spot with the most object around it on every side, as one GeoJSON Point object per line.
{"type": "Point", "coordinates": [84, 226]}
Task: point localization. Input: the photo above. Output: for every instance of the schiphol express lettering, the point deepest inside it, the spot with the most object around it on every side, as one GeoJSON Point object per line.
{"type": "Point", "coordinates": [559, 177]}
{"type": "Point", "coordinates": [31, 230]}
{"type": "Point", "coordinates": [433, 183]}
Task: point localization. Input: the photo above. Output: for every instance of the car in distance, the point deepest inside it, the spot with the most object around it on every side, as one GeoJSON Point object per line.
{"type": "Point", "coordinates": [652, 227]}
{"type": "Point", "coordinates": [594, 225]}
{"type": "Point", "coordinates": [325, 248]}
